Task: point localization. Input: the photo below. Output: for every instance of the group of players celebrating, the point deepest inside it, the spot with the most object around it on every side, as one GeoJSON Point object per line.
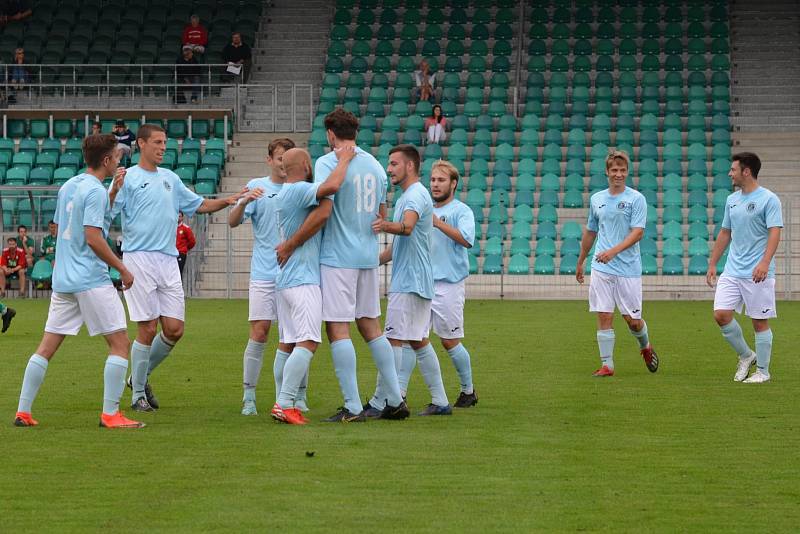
{"type": "Point", "coordinates": [316, 258]}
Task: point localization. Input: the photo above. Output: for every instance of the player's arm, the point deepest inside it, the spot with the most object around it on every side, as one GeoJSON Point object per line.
{"type": "Point", "coordinates": [453, 232]}
{"type": "Point", "coordinates": [762, 269]}
{"type": "Point", "coordinates": [236, 215]}
{"type": "Point", "coordinates": [336, 178]}
{"type": "Point", "coordinates": [404, 227]}
{"type": "Point", "coordinates": [211, 205]}
{"type": "Point", "coordinates": [116, 185]}
{"type": "Point", "coordinates": [313, 224]}
{"type": "Point", "coordinates": [633, 237]}
{"type": "Point", "coordinates": [97, 242]}
{"type": "Point", "coordinates": [587, 240]}
{"type": "Point", "coordinates": [385, 255]}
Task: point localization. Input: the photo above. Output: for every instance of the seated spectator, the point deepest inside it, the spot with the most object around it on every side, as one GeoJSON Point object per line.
{"type": "Point", "coordinates": [15, 10]}
{"type": "Point", "coordinates": [188, 75]}
{"type": "Point", "coordinates": [18, 75]}
{"type": "Point", "coordinates": [425, 81]}
{"type": "Point", "coordinates": [184, 242]}
{"type": "Point", "coordinates": [435, 125]}
{"type": "Point", "coordinates": [26, 243]}
{"type": "Point", "coordinates": [48, 247]}
{"type": "Point", "coordinates": [195, 36]}
{"type": "Point", "coordinates": [237, 54]}
{"type": "Point", "coordinates": [13, 265]}
{"type": "Point", "coordinates": [125, 138]}
{"type": "Point", "coordinates": [97, 128]}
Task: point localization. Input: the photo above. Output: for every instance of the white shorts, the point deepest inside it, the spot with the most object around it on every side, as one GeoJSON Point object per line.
{"type": "Point", "coordinates": [607, 291]}
{"type": "Point", "coordinates": [300, 314]}
{"type": "Point", "coordinates": [349, 294]}
{"type": "Point", "coordinates": [758, 299]}
{"type": "Point", "coordinates": [100, 308]}
{"type": "Point", "coordinates": [262, 301]}
{"type": "Point", "coordinates": [408, 317]}
{"type": "Point", "coordinates": [157, 289]}
{"type": "Point", "coordinates": [447, 310]}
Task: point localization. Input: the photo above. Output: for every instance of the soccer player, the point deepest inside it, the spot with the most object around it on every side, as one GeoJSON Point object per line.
{"type": "Point", "coordinates": [149, 202]}
{"type": "Point", "coordinates": [7, 314]}
{"type": "Point", "coordinates": [617, 217]}
{"type": "Point", "coordinates": [752, 226]}
{"type": "Point", "coordinates": [349, 272]}
{"type": "Point", "coordinates": [82, 288]}
{"type": "Point", "coordinates": [299, 295]}
{"type": "Point", "coordinates": [408, 313]}
{"type": "Point", "coordinates": [260, 205]}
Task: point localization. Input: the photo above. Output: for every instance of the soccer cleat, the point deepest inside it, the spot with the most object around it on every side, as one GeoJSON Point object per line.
{"type": "Point", "coordinates": [759, 377]}
{"type": "Point", "coordinates": [24, 419]}
{"type": "Point", "coordinates": [434, 409]}
{"type": "Point", "coordinates": [604, 371]}
{"type": "Point", "coordinates": [249, 408]}
{"type": "Point", "coordinates": [345, 416]}
{"type": "Point", "coordinates": [10, 313]}
{"type": "Point", "coordinates": [148, 392]}
{"type": "Point", "coordinates": [141, 405]}
{"type": "Point", "coordinates": [292, 416]}
{"type": "Point", "coordinates": [465, 400]}
{"type": "Point", "coordinates": [370, 412]}
{"type": "Point", "coordinates": [743, 368]}
{"type": "Point", "coordinates": [396, 413]}
{"type": "Point", "coordinates": [650, 358]}
{"type": "Point", "coordinates": [118, 420]}
{"type": "Point", "coordinates": [277, 413]}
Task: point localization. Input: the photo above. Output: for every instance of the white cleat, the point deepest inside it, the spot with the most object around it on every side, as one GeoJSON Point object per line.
{"type": "Point", "coordinates": [249, 408]}
{"type": "Point", "coordinates": [743, 368]}
{"type": "Point", "coordinates": [757, 378]}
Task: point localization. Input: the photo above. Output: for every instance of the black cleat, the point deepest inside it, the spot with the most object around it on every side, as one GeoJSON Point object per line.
{"type": "Point", "coordinates": [148, 392]}
{"type": "Point", "coordinates": [396, 412]}
{"type": "Point", "coordinates": [10, 313]}
{"type": "Point", "coordinates": [650, 358]}
{"type": "Point", "coordinates": [345, 416]}
{"type": "Point", "coordinates": [141, 405]}
{"type": "Point", "coordinates": [433, 409]}
{"type": "Point", "coordinates": [371, 413]}
{"type": "Point", "coordinates": [466, 400]}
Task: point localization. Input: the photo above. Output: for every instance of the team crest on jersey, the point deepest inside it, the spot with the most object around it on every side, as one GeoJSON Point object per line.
{"type": "Point", "coordinates": [167, 185]}
{"type": "Point", "coordinates": [622, 205]}
{"type": "Point", "coordinates": [751, 207]}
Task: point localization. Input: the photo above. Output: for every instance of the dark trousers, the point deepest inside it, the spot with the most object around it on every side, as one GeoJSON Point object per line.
{"type": "Point", "coordinates": [181, 263]}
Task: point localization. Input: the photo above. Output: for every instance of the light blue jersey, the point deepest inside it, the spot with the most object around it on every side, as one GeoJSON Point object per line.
{"type": "Point", "coordinates": [149, 203]}
{"type": "Point", "coordinates": [262, 211]}
{"type": "Point", "coordinates": [613, 217]}
{"type": "Point", "coordinates": [348, 240]}
{"type": "Point", "coordinates": [411, 255]}
{"type": "Point", "coordinates": [295, 202]}
{"type": "Point", "coordinates": [450, 259]}
{"type": "Point", "coordinates": [82, 201]}
{"type": "Point", "coordinates": [749, 218]}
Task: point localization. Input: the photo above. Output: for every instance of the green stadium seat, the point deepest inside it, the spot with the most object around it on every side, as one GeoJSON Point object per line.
{"type": "Point", "coordinates": [544, 265]}
{"type": "Point", "coordinates": [519, 264]}
{"type": "Point", "coordinates": [672, 266]}
{"type": "Point", "coordinates": [648, 247]}
{"type": "Point", "coordinates": [493, 264]}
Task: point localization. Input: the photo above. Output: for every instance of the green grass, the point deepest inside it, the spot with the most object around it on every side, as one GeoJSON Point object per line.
{"type": "Point", "coordinates": [547, 448]}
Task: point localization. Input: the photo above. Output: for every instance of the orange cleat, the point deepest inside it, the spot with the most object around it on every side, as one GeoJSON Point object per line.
{"type": "Point", "coordinates": [604, 371]}
{"type": "Point", "coordinates": [294, 416]}
{"type": "Point", "coordinates": [24, 419]}
{"type": "Point", "coordinates": [277, 413]}
{"type": "Point", "coordinates": [650, 358]}
{"type": "Point", "coordinates": [118, 420]}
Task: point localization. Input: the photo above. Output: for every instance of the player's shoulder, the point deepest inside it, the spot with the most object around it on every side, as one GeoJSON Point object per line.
{"type": "Point", "coordinates": [634, 194]}
{"type": "Point", "coordinates": [599, 196]}
{"type": "Point", "coordinates": [770, 195]}
{"type": "Point", "coordinates": [734, 197]}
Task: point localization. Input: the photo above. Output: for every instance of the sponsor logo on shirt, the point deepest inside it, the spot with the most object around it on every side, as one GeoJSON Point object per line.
{"type": "Point", "coordinates": [622, 205]}
{"type": "Point", "coordinates": [144, 185]}
{"type": "Point", "coordinates": [751, 207]}
{"type": "Point", "coordinates": [167, 185]}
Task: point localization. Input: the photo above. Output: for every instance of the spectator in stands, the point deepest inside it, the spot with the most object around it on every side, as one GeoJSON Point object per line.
{"type": "Point", "coordinates": [48, 247]}
{"type": "Point", "coordinates": [124, 137]}
{"type": "Point", "coordinates": [97, 128]}
{"type": "Point", "coordinates": [15, 10]}
{"type": "Point", "coordinates": [13, 265]}
{"type": "Point", "coordinates": [184, 242]}
{"type": "Point", "coordinates": [195, 36]}
{"type": "Point", "coordinates": [435, 125]}
{"type": "Point", "coordinates": [238, 56]}
{"type": "Point", "coordinates": [188, 76]}
{"type": "Point", "coordinates": [425, 81]}
{"type": "Point", "coordinates": [18, 75]}
{"type": "Point", "coordinates": [26, 243]}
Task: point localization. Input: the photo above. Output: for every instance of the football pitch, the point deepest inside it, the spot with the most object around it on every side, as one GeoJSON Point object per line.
{"type": "Point", "coordinates": [548, 447]}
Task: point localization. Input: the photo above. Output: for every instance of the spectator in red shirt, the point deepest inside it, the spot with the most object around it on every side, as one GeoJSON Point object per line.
{"type": "Point", "coordinates": [13, 264]}
{"type": "Point", "coordinates": [195, 36]}
{"type": "Point", "coordinates": [184, 242]}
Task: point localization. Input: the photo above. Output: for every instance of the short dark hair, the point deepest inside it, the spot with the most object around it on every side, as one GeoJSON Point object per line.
{"type": "Point", "coordinates": [410, 152]}
{"type": "Point", "coordinates": [283, 142]}
{"type": "Point", "coordinates": [51, 222]}
{"type": "Point", "coordinates": [342, 123]}
{"type": "Point", "coordinates": [21, 226]}
{"type": "Point", "coordinates": [148, 129]}
{"type": "Point", "coordinates": [748, 160]}
{"type": "Point", "coordinates": [10, 239]}
{"type": "Point", "coordinates": [96, 147]}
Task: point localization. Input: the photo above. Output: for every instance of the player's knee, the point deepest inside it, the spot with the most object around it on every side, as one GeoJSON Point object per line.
{"type": "Point", "coordinates": [147, 331]}
{"type": "Point", "coordinates": [259, 331]}
{"type": "Point", "coordinates": [173, 332]}
{"type": "Point", "coordinates": [723, 317]}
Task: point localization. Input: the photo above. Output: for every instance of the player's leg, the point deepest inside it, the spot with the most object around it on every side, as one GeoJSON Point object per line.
{"type": "Point", "coordinates": [171, 306]}
{"type": "Point", "coordinates": [447, 321]}
{"type": "Point", "coordinates": [252, 361]}
{"type": "Point", "coordinates": [7, 315]}
{"type": "Point", "coordinates": [338, 311]}
{"type": "Point", "coordinates": [601, 301]}
{"type": "Point", "coordinates": [727, 299]}
{"type": "Point", "coordinates": [428, 363]}
{"type": "Point", "coordinates": [628, 296]}
{"type": "Point", "coordinates": [759, 300]}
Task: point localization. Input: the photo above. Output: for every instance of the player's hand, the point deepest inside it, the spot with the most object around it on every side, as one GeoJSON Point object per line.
{"type": "Point", "coordinates": [233, 199]}
{"type": "Point", "coordinates": [605, 256]}
{"type": "Point", "coordinates": [127, 279]}
{"type": "Point", "coordinates": [284, 251]}
{"type": "Point", "coordinates": [579, 273]}
{"type": "Point", "coordinates": [760, 272]}
{"type": "Point", "coordinates": [378, 224]}
{"type": "Point", "coordinates": [711, 276]}
{"type": "Point", "coordinates": [119, 179]}
{"type": "Point", "coordinates": [253, 194]}
{"type": "Point", "coordinates": [345, 154]}
{"type": "Point", "coordinates": [437, 222]}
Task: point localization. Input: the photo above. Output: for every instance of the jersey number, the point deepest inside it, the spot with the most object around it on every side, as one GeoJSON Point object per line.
{"type": "Point", "coordinates": [67, 234]}
{"type": "Point", "coordinates": [366, 193]}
